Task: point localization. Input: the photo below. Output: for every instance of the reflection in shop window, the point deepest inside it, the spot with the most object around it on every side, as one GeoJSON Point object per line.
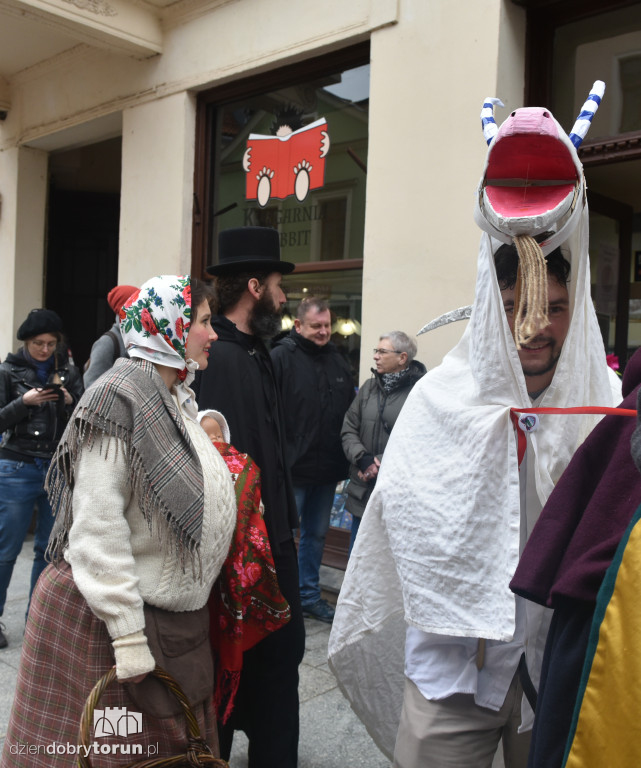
{"type": "Point", "coordinates": [630, 80]}
{"type": "Point", "coordinates": [330, 229]}
{"type": "Point", "coordinates": [328, 224]}
{"type": "Point", "coordinates": [322, 232]}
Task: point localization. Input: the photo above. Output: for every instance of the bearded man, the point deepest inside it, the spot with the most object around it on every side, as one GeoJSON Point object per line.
{"type": "Point", "coordinates": [241, 385]}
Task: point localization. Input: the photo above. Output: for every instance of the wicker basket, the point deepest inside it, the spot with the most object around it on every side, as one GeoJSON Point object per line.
{"type": "Point", "coordinates": [197, 754]}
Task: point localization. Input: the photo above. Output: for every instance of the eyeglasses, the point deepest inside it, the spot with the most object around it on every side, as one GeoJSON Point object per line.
{"type": "Point", "coordinates": [386, 351]}
{"type": "Point", "coordinates": [44, 344]}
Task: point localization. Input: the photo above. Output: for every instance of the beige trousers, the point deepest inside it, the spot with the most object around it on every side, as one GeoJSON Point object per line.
{"type": "Point", "coordinates": [457, 733]}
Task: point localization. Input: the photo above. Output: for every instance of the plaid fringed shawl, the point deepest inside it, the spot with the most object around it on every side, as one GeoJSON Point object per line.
{"type": "Point", "coordinates": [132, 403]}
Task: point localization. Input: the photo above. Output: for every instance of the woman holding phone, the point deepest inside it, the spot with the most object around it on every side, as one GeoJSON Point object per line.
{"type": "Point", "coordinates": [38, 392]}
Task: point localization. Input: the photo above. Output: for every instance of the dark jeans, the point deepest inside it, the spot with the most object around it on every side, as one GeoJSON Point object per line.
{"type": "Point", "coordinates": [22, 490]}
{"type": "Point", "coordinates": [314, 504]}
{"type": "Point", "coordinates": [266, 706]}
{"type": "Point", "coordinates": [356, 522]}
{"type": "Point", "coordinates": [563, 661]}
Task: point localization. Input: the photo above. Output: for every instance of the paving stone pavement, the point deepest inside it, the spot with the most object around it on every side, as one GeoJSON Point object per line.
{"type": "Point", "coordinates": [331, 735]}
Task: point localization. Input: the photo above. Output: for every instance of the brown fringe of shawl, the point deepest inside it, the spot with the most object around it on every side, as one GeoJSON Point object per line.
{"type": "Point", "coordinates": [84, 428]}
{"type": "Point", "coordinates": [531, 294]}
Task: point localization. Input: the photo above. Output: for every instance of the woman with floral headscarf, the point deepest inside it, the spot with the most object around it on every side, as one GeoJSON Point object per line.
{"type": "Point", "coordinates": [145, 512]}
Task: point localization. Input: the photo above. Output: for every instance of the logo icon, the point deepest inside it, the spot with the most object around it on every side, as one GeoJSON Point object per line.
{"type": "Point", "coordinates": [529, 422]}
{"type": "Point", "coordinates": [116, 721]}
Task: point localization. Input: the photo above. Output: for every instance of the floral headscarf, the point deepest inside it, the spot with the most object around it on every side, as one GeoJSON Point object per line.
{"type": "Point", "coordinates": [155, 321]}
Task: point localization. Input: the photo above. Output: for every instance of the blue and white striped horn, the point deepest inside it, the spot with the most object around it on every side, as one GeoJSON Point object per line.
{"type": "Point", "coordinates": [588, 110]}
{"type": "Point", "coordinates": [490, 128]}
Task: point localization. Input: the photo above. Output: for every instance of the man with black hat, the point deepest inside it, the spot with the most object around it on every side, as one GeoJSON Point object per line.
{"type": "Point", "coordinates": [39, 389]}
{"type": "Point", "coordinates": [239, 382]}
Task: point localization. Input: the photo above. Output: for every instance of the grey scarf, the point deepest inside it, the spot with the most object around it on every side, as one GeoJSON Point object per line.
{"type": "Point", "coordinates": [133, 404]}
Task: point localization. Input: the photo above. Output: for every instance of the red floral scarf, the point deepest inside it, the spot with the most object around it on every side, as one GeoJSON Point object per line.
{"type": "Point", "coordinates": [246, 603]}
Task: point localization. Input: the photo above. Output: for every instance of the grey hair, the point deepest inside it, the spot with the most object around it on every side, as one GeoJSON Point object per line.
{"type": "Point", "coordinates": [401, 343]}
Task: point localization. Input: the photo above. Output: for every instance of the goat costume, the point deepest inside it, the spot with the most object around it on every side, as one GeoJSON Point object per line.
{"type": "Point", "coordinates": [433, 550]}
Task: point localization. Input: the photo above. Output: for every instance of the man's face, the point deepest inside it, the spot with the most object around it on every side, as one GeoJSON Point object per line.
{"type": "Point", "coordinates": [265, 320]}
{"type": "Point", "coordinates": [315, 326]}
{"type": "Point", "coordinates": [540, 355]}
{"type": "Point", "coordinates": [272, 291]}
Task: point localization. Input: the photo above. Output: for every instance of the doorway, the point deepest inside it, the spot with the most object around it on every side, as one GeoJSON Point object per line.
{"type": "Point", "coordinates": [82, 241]}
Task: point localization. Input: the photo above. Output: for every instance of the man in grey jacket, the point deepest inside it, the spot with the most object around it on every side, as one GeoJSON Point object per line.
{"type": "Point", "coordinates": [369, 421]}
{"type": "Point", "coordinates": [110, 346]}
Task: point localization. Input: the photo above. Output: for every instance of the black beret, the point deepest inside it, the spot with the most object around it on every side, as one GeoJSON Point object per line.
{"type": "Point", "coordinates": [40, 321]}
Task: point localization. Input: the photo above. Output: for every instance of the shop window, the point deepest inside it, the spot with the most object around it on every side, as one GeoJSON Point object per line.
{"type": "Point", "coordinates": [569, 46]}
{"type": "Point", "coordinates": [630, 82]}
{"type": "Point", "coordinates": [322, 233]}
{"type": "Point", "coordinates": [604, 46]}
{"type": "Point", "coordinates": [321, 221]}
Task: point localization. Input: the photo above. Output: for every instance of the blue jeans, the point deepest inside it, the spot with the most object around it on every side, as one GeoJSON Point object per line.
{"type": "Point", "coordinates": [356, 521]}
{"type": "Point", "coordinates": [22, 489]}
{"type": "Point", "coordinates": [314, 504]}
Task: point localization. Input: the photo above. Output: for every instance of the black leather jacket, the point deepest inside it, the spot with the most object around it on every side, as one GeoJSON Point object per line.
{"type": "Point", "coordinates": [33, 430]}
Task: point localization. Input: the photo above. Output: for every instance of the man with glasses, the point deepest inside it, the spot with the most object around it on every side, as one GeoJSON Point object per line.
{"type": "Point", "coordinates": [369, 421]}
{"type": "Point", "coordinates": [453, 506]}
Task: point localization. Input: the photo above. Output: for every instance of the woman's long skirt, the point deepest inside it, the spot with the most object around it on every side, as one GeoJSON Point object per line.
{"type": "Point", "coordinates": [66, 650]}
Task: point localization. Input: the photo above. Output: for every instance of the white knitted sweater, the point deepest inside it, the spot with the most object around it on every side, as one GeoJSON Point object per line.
{"type": "Point", "coordinates": [117, 562]}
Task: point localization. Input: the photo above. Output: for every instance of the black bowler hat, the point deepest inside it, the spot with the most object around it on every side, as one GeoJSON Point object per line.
{"type": "Point", "coordinates": [247, 248]}
{"type": "Point", "coordinates": [39, 321]}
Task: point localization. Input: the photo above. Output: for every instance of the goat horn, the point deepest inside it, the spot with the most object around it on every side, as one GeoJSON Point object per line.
{"type": "Point", "coordinates": [588, 110]}
{"type": "Point", "coordinates": [490, 128]}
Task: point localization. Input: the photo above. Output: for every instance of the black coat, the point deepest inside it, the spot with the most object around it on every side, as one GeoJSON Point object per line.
{"type": "Point", "coordinates": [34, 430]}
{"type": "Point", "coordinates": [317, 388]}
{"type": "Point", "coordinates": [239, 382]}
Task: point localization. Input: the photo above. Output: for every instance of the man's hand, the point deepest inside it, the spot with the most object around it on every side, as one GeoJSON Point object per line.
{"type": "Point", "coordinates": [371, 471]}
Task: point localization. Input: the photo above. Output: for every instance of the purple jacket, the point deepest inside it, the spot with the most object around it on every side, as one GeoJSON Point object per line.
{"type": "Point", "coordinates": [576, 536]}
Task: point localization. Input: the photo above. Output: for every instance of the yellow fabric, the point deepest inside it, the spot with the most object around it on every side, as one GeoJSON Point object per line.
{"type": "Point", "coordinates": [608, 732]}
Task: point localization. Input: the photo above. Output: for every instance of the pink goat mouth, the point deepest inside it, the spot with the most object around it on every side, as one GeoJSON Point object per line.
{"type": "Point", "coordinates": [528, 175]}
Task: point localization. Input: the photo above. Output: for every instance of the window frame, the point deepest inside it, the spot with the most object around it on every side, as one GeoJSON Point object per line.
{"type": "Point", "coordinates": [247, 87]}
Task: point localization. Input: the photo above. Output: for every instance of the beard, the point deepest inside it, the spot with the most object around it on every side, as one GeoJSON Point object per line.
{"type": "Point", "coordinates": [265, 320]}
{"type": "Point", "coordinates": [543, 366]}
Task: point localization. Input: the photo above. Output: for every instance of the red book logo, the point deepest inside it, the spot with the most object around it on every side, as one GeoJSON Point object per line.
{"type": "Point", "coordinates": [280, 166]}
